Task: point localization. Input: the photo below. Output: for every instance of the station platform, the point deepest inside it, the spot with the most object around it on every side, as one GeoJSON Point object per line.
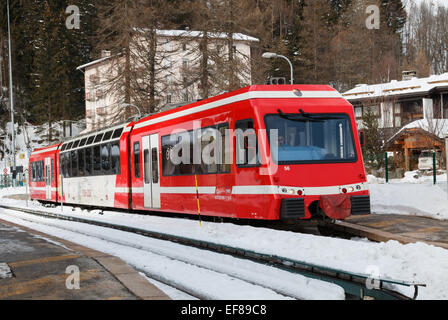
{"type": "Point", "coordinates": [403, 228]}
{"type": "Point", "coordinates": [37, 266]}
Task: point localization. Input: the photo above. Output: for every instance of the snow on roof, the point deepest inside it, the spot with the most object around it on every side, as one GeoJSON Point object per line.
{"type": "Point", "coordinates": [394, 88]}
{"type": "Point", "coordinates": [94, 62]}
{"type": "Point", "coordinates": [196, 34]}
{"type": "Point", "coordinates": [438, 127]}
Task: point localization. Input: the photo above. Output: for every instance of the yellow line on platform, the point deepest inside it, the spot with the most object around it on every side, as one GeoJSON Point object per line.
{"type": "Point", "coordinates": [42, 260]}
{"type": "Point", "coordinates": [20, 288]}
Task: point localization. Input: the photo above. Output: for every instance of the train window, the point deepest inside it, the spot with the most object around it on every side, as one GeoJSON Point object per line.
{"type": "Point", "coordinates": [107, 135]}
{"type": "Point", "coordinates": [88, 155]}
{"type": "Point", "coordinates": [90, 140]}
{"type": "Point", "coordinates": [63, 147]}
{"type": "Point", "coordinates": [74, 160]}
{"type": "Point", "coordinates": [69, 146]}
{"type": "Point", "coordinates": [81, 163]}
{"type": "Point", "coordinates": [98, 137]}
{"type": "Point", "coordinates": [146, 164]}
{"type": "Point", "coordinates": [187, 168]}
{"type": "Point", "coordinates": [63, 165]}
{"type": "Point", "coordinates": [36, 172]}
{"type": "Point", "coordinates": [246, 146]}
{"type": "Point", "coordinates": [69, 164]}
{"type": "Point", "coordinates": [115, 157]}
{"type": "Point", "coordinates": [52, 170]}
{"type": "Point", "coordinates": [32, 171]}
{"type": "Point", "coordinates": [154, 166]}
{"type": "Point", "coordinates": [224, 167]}
{"type": "Point", "coordinates": [105, 158]}
{"type": "Point", "coordinates": [117, 133]}
{"type": "Point", "coordinates": [207, 137]}
{"type": "Point", "coordinates": [83, 142]}
{"type": "Point", "coordinates": [75, 144]}
{"type": "Point", "coordinates": [137, 159]}
{"type": "Point", "coordinates": [96, 160]}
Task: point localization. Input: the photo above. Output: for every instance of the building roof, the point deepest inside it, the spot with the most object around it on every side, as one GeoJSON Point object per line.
{"type": "Point", "coordinates": [198, 34]}
{"type": "Point", "coordinates": [415, 86]}
{"type": "Point", "coordinates": [94, 62]}
{"type": "Point", "coordinates": [182, 33]}
{"type": "Point", "coordinates": [436, 127]}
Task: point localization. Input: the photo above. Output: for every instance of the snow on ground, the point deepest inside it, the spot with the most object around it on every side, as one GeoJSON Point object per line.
{"type": "Point", "coordinates": [412, 195]}
{"type": "Point", "coordinates": [416, 262]}
{"type": "Point", "coordinates": [209, 274]}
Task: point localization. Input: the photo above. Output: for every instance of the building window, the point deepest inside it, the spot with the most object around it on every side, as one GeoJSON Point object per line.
{"type": "Point", "coordinates": [411, 111]}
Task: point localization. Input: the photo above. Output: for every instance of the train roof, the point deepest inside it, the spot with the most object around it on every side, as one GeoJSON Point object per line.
{"type": "Point", "coordinates": [247, 93]}
{"type": "Point", "coordinates": [114, 132]}
{"type": "Point", "coordinates": [53, 147]}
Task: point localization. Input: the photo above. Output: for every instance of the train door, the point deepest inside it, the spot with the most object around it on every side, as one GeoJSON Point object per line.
{"type": "Point", "coordinates": [151, 177]}
{"type": "Point", "coordinates": [48, 178]}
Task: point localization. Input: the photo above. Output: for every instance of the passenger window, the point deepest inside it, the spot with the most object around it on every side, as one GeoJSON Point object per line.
{"type": "Point", "coordinates": [115, 157]}
{"type": "Point", "coordinates": [154, 165]}
{"type": "Point", "coordinates": [224, 167]}
{"type": "Point", "coordinates": [83, 142]}
{"type": "Point", "coordinates": [105, 158]}
{"type": "Point", "coordinates": [107, 135]}
{"type": "Point", "coordinates": [117, 133]}
{"type": "Point", "coordinates": [74, 156]}
{"type": "Point", "coordinates": [96, 160]}
{"type": "Point", "coordinates": [88, 154]}
{"type": "Point", "coordinates": [81, 163]}
{"type": "Point", "coordinates": [137, 159]}
{"type": "Point", "coordinates": [98, 137]}
{"type": "Point", "coordinates": [69, 165]}
{"type": "Point", "coordinates": [146, 164]}
{"type": "Point", "coordinates": [52, 170]}
{"type": "Point", "coordinates": [246, 146]}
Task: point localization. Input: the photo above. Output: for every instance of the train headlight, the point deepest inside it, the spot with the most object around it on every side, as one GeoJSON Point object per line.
{"type": "Point", "coordinates": [351, 189]}
{"type": "Point", "coordinates": [291, 191]}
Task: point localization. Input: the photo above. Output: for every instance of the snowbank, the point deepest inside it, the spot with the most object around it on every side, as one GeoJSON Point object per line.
{"type": "Point", "coordinates": [412, 195]}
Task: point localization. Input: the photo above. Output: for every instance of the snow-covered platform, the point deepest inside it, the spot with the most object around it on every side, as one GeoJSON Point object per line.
{"type": "Point", "coordinates": [39, 266]}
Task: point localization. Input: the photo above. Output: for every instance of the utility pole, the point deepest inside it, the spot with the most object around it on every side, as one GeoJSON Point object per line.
{"type": "Point", "coordinates": [11, 103]}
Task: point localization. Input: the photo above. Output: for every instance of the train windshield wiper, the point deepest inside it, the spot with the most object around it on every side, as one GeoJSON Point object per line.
{"type": "Point", "coordinates": [305, 116]}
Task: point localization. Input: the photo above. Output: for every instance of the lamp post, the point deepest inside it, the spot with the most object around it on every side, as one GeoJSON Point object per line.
{"type": "Point", "coordinates": [11, 100]}
{"type": "Point", "coordinates": [124, 105]}
{"type": "Point", "coordinates": [271, 55]}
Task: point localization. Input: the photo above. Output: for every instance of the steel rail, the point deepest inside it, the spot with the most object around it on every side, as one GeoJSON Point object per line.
{"type": "Point", "coordinates": [354, 284]}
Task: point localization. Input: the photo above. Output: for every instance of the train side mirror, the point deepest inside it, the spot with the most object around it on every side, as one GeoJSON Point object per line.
{"type": "Point", "coordinates": [362, 138]}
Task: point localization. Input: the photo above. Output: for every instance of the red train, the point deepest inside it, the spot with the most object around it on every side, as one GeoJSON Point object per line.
{"type": "Point", "coordinates": [261, 152]}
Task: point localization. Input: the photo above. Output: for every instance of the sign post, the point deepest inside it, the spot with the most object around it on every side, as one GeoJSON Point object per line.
{"type": "Point", "coordinates": [26, 185]}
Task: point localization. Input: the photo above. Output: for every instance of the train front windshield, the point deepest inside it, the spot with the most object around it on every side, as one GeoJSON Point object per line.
{"type": "Point", "coordinates": [310, 138]}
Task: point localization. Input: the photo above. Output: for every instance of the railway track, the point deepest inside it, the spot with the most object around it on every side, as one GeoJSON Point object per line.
{"type": "Point", "coordinates": [353, 284]}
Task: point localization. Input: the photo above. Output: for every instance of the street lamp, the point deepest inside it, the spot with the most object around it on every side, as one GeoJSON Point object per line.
{"type": "Point", "coordinates": [271, 55]}
{"type": "Point", "coordinates": [11, 100]}
{"type": "Point", "coordinates": [124, 105]}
